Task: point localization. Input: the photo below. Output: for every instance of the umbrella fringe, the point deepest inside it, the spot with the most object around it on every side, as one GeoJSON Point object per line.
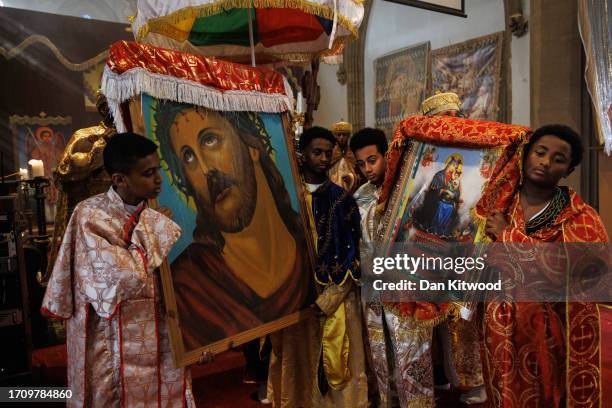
{"type": "Point", "coordinates": [119, 88]}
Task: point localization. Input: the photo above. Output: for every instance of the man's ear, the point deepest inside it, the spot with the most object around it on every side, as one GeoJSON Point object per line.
{"type": "Point", "coordinates": [118, 179]}
{"type": "Point", "coordinates": [571, 169]}
{"type": "Point", "coordinates": [254, 153]}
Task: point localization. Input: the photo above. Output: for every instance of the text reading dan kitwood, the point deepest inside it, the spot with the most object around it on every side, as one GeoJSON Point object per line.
{"type": "Point", "coordinates": [405, 263]}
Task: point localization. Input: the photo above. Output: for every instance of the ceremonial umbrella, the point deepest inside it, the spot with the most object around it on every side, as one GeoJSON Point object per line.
{"type": "Point", "coordinates": [293, 30]}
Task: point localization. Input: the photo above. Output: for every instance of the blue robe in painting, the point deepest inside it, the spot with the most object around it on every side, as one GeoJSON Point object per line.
{"type": "Point", "coordinates": [438, 213]}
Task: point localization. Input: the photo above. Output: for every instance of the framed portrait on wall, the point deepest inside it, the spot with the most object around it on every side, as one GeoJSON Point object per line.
{"type": "Point", "coordinates": [471, 69]}
{"type": "Point", "coordinates": [455, 7]}
{"type": "Point", "coordinates": [43, 138]}
{"type": "Point", "coordinates": [401, 80]}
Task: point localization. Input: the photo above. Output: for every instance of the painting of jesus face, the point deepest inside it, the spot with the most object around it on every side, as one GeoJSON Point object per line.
{"type": "Point", "coordinates": [243, 262]}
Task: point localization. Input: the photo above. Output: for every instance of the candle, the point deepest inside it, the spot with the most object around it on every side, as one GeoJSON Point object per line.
{"type": "Point", "coordinates": [23, 173]}
{"type": "Point", "coordinates": [298, 109]}
{"type": "Point", "coordinates": [38, 168]}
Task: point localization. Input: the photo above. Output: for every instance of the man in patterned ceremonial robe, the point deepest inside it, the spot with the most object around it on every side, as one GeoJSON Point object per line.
{"type": "Point", "coordinates": [369, 147]}
{"type": "Point", "coordinates": [105, 284]}
{"type": "Point", "coordinates": [458, 337]}
{"type": "Point", "coordinates": [343, 171]}
{"type": "Point", "coordinates": [79, 174]}
{"type": "Point", "coordinates": [413, 321]}
{"type": "Point", "coordinates": [527, 348]}
{"type": "Point", "coordinates": [320, 361]}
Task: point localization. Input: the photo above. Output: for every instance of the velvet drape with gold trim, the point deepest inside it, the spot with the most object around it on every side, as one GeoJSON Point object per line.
{"type": "Point", "coordinates": [460, 133]}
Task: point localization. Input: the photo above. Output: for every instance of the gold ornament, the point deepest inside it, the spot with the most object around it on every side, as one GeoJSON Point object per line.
{"type": "Point", "coordinates": [440, 102]}
{"type": "Point", "coordinates": [342, 127]}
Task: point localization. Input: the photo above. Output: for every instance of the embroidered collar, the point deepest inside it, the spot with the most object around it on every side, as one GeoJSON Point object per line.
{"type": "Point", "coordinates": [547, 218]}
{"type": "Point", "coordinates": [117, 204]}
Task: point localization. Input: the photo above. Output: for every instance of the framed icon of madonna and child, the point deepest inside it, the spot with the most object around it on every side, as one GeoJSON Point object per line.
{"type": "Point", "coordinates": [444, 176]}
{"type": "Point", "coordinates": [445, 184]}
{"type": "Point", "coordinates": [439, 170]}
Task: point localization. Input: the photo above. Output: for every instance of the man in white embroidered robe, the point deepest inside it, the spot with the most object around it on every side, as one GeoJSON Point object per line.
{"type": "Point", "coordinates": [105, 284]}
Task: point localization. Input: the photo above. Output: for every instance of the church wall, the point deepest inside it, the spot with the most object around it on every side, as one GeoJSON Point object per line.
{"type": "Point", "coordinates": [333, 105]}
{"type": "Point", "coordinates": [556, 73]}
{"type": "Point", "coordinates": [108, 10]}
{"type": "Point", "coordinates": [35, 80]}
{"type": "Point", "coordinates": [394, 26]}
{"type": "Point", "coordinates": [520, 65]}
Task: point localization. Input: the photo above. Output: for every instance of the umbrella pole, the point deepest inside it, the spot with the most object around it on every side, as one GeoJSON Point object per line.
{"type": "Point", "coordinates": [251, 40]}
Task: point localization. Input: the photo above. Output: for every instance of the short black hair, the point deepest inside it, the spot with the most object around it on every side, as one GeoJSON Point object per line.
{"type": "Point", "coordinates": [123, 150]}
{"type": "Point", "coordinates": [564, 133]}
{"type": "Point", "coordinates": [368, 137]}
{"type": "Point", "coordinates": [315, 132]}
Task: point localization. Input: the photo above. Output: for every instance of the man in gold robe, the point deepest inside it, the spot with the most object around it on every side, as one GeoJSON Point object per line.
{"type": "Point", "coordinates": [343, 169]}
{"type": "Point", "coordinates": [320, 361]}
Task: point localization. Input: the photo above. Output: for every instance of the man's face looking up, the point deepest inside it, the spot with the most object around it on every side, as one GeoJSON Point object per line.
{"type": "Point", "coordinates": [218, 167]}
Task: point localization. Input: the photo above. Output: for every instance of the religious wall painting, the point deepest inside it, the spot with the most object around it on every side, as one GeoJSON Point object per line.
{"type": "Point", "coordinates": [43, 138]}
{"type": "Point", "coordinates": [91, 83]}
{"type": "Point", "coordinates": [242, 267]}
{"type": "Point", "coordinates": [401, 85]}
{"type": "Point", "coordinates": [472, 70]}
{"type": "Point", "coordinates": [438, 189]}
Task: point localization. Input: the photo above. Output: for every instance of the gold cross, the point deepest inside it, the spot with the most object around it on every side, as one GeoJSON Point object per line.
{"type": "Point", "coordinates": [504, 315]}
{"type": "Point", "coordinates": [584, 386]}
{"type": "Point", "coordinates": [583, 336]}
{"type": "Point", "coordinates": [533, 365]}
{"type": "Point", "coordinates": [584, 227]}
